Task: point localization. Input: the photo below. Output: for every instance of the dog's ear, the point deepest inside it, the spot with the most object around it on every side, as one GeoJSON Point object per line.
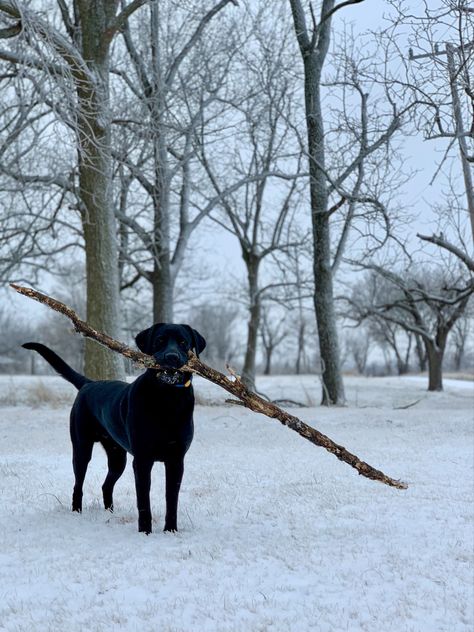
{"type": "Point", "coordinates": [199, 343]}
{"type": "Point", "coordinates": [144, 340]}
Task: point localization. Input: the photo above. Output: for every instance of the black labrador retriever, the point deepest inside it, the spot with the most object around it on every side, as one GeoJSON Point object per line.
{"type": "Point", "coordinates": [152, 419]}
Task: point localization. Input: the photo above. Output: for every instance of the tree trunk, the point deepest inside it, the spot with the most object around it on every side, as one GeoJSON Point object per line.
{"type": "Point", "coordinates": [268, 360]}
{"type": "Point", "coordinates": [313, 60]}
{"type": "Point", "coordinates": [421, 353]}
{"type": "Point", "coordinates": [461, 335]}
{"type": "Point", "coordinates": [95, 184]}
{"type": "Point", "coordinates": [162, 279]}
{"type": "Point", "coordinates": [333, 388]}
{"type": "Point", "coordinates": [435, 355]}
{"type": "Point", "coordinates": [402, 364]}
{"type": "Point", "coordinates": [458, 357]}
{"type": "Point", "coordinates": [460, 133]}
{"type": "Point", "coordinates": [248, 371]}
{"type": "Point", "coordinates": [300, 351]}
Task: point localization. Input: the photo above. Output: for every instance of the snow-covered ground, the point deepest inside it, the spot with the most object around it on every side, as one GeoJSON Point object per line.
{"type": "Point", "coordinates": [276, 534]}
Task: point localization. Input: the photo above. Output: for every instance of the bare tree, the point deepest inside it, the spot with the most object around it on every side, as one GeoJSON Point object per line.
{"type": "Point", "coordinates": [338, 180]}
{"type": "Point", "coordinates": [176, 77]}
{"type": "Point", "coordinates": [358, 346]}
{"type": "Point", "coordinates": [273, 330]}
{"type": "Point", "coordinates": [393, 337]}
{"type": "Point", "coordinates": [256, 175]}
{"type": "Point", "coordinates": [216, 322]}
{"type": "Point", "coordinates": [75, 57]}
{"type": "Point", "coordinates": [460, 337]}
{"type": "Point", "coordinates": [36, 186]}
{"type": "Point", "coordinates": [389, 336]}
{"type": "Point", "coordinates": [420, 302]}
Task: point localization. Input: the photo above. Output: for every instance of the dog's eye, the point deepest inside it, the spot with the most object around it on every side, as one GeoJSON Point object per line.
{"type": "Point", "coordinates": [183, 343]}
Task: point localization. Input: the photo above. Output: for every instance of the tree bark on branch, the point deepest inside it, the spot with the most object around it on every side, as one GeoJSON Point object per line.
{"type": "Point", "coordinates": [231, 384]}
{"type": "Point", "coordinates": [440, 241]}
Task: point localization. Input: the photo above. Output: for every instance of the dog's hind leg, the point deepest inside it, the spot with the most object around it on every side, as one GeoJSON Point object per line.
{"type": "Point", "coordinates": [82, 429]}
{"type": "Point", "coordinates": [81, 455]}
{"type": "Point", "coordinates": [116, 460]}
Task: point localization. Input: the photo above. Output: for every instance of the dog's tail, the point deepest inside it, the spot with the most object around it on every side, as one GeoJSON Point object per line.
{"type": "Point", "coordinates": [58, 364]}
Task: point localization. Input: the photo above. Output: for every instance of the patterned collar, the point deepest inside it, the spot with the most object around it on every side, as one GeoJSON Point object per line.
{"type": "Point", "coordinates": [174, 378]}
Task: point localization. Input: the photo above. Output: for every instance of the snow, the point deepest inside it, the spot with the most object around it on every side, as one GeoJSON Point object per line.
{"type": "Point", "coordinates": [275, 534]}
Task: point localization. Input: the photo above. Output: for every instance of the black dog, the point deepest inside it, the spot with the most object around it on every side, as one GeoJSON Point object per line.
{"type": "Point", "coordinates": [152, 418]}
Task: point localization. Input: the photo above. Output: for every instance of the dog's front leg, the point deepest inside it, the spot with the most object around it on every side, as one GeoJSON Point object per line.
{"type": "Point", "coordinates": [142, 468]}
{"type": "Point", "coordinates": [174, 469]}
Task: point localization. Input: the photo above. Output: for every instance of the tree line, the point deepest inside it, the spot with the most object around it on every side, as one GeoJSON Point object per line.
{"type": "Point", "coordinates": [132, 130]}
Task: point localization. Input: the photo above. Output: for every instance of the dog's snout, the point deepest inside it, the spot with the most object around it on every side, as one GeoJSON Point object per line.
{"type": "Point", "coordinates": [172, 359]}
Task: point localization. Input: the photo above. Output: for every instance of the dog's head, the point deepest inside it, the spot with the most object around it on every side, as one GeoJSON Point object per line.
{"type": "Point", "coordinates": [170, 344]}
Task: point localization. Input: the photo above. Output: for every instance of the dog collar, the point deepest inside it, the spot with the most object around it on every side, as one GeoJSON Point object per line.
{"type": "Point", "coordinates": [174, 378]}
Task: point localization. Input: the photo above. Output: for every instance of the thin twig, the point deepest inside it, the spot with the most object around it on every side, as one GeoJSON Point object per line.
{"type": "Point", "coordinates": [407, 405]}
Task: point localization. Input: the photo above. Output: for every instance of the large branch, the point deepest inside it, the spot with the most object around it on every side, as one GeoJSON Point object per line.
{"type": "Point", "coordinates": [330, 13]}
{"type": "Point", "coordinates": [232, 385]}
{"type": "Point", "coordinates": [439, 240]}
{"type": "Point", "coordinates": [301, 29]}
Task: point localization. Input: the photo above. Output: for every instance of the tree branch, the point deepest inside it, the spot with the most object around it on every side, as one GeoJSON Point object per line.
{"type": "Point", "coordinates": [123, 16]}
{"type": "Point", "coordinates": [301, 29]}
{"type": "Point", "coordinates": [234, 386]}
{"type": "Point", "coordinates": [330, 13]}
{"type": "Point", "coordinates": [10, 31]}
{"type": "Point", "coordinates": [439, 240]}
{"type": "Point", "coordinates": [193, 39]}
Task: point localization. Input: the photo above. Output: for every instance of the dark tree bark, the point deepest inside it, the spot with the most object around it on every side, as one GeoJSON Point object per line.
{"type": "Point", "coordinates": [95, 184]}
{"type": "Point", "coordinates": [421, 354]}
{"type": "Point", "coordinates": [301, 346]}
{"type": "Point", "coordinates": [162, 281]}
{"type": "Point", "coordinates": [314, 51]}
{"type": "Point", "coordinates": [435, 368]}
{"type": "Point", "coordinates": [435, 352]}
{"type": "Point", "coordinates": [254, 313]}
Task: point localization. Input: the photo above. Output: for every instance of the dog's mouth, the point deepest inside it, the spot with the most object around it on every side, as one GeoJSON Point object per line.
{"type": "Point", "coordinates": [173, 377]}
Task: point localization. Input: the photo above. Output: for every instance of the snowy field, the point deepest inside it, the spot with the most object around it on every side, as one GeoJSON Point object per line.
{"type": "Point", "coordinates": [275, 534]}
